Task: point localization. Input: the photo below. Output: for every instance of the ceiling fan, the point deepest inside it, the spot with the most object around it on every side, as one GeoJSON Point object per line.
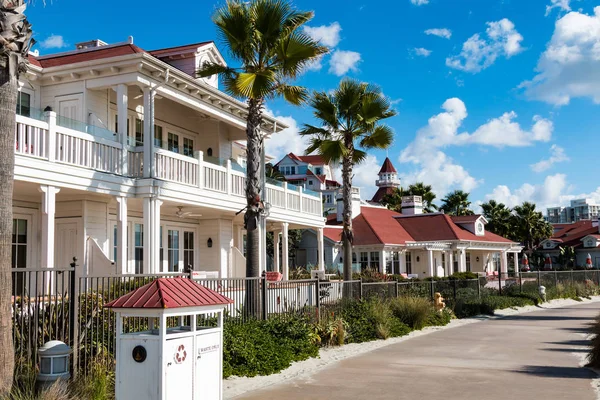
{"type": "Point", "coordinates": [184, 214]}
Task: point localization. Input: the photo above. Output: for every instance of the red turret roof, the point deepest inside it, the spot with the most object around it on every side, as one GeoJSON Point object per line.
{"type": "Point", "coordinates": [170, 293]}
{"type": "Point", "coordinates": [387, 166]}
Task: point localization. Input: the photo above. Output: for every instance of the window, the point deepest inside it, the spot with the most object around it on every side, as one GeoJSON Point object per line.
{"type": "Point", "coordinates": [468, 261]}
{"type": "Point", "coordinates": [158, 140]}
{"type": "Point", "coordinates": [115, 244]}
{"type": "Point", "coordinates": [408, 263]}
{"type": "Point", "coordinates": [318, 171]}
{"type": "Point", "coordinates": [328, 198]}
{"type": "Point", "coordinates": [173, 142]}
{"type": "Point", "coordinates": [364, 260]}
{"type": "Point", "coordinates": [117, 124]}
{"type": "Point", "coordinates": [455, 261]}
{"type": "Point", "coordinates": [138, 256]}
{"type": "Point", "coordinates": [188, 147]}
{"type": "Point", "coordinates": [173, 250]}
{"type": "Point", "coordinates": [19, 243]}
{"type": "Point", "coordinates": [310, 182]}
{"type": "Point", "coordinates": [209, 152]}
{"type": "Point", "coordinates": [24, 104]}
{"type": "Point", "coordinates": [139, 132]}
{"type": "Point", "coordinates": [375, 260]}
{"type": "Point", "coordinates": [188, 250]}
{"type": "Point", "coordinates": [396, 262]}
{"type": "Point", "coordinates": [353, 258]}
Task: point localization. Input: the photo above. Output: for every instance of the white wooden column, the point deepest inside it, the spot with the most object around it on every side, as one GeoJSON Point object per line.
{"type": "Point", "coordinates": [382, 262]}
{"type": "Point", "coordinates": [402, 261]}
{"type": "Point", "coordinates": [285, 254]}
{"type": "Point", "coordinates": [51, 118]}
{"type": "Point", "coordinates": [276, 253]}
{"type": "Point", "coordinates": [121, 260]}
{"type": "Point", "coordinates": [431, 263]}
{"type": "Point", "coordinates": [503, 262]}
{"type": "Point", "coordinates": [48, 213]}
{"type": "Point", "coordinates": [320, 250]}
{"type": "Point", "coordinates": [122, 104]}
{"type": "Point", "coordinates": [462, 264]}
{"type": "Point", "coordinates": [451, 262]}
{"type": "Point", "coordinates": [517, 267]}
{"type": "Point", "coordinates": [148, 133]}
{"type": "Point", "coordinates": [152, 236]}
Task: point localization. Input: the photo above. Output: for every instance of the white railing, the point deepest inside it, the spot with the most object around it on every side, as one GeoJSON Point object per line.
{"type": "Point", "coordinates": [87, 151]}
{"type": "Point", "coordinates": [176, 167]}
{"type": "Point", "coordinates": [32, 139]}
{"type": "Point", "coordinates": [135, 162]}
{"type": "Point", "coordinates": [48, 141]}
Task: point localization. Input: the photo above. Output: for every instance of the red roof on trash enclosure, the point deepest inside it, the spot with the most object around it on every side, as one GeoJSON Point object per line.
{"type": "Point", "coordinates": [170, 293]}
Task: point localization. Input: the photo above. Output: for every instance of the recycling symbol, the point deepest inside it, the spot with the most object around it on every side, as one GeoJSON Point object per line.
{"type": "Point", "coordinates": [180, 355]}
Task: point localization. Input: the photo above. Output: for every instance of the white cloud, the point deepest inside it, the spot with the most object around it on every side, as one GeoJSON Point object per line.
{"type": "Point", "coordinates": [286, 141]}
{"type": "Point", "coordinates": [479, 53]}
{"type": "Point", "coordinates": [562, 5]}
{"type": "Point", "coordinates": [557, 154]}
{"type": "Point", "coordinates": [436, 168]}
{"type": "Point", "coordinates": [327, 35]}
{"type": "Point", "coordinates": [570, 66]}
{"type": "Point", "coordinates": [53, 42]}
{"type": "Point", "coordinates": [419, 2]}
{"type": "Point", "coordinates": [343, 61]}
{"type": "Point", "coordinates": [545, 195]}
{"type": "Point", "coordinates": [440, 32]}
{"type": "Point", "coordinates": [316, 64]}
{"type": "Point", "coordinates": [420, 51]}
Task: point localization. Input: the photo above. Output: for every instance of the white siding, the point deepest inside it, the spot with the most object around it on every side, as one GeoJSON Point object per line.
{"type": "Point", "coordinates": [49, 93]}
{"type": "Point", "coordinates": [208, 257]}
{"type": "Point", "coordinates": [95, 223]}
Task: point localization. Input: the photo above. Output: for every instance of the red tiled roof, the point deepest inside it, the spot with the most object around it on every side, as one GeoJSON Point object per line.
{"type": "Point", "coordinates": [33, 61]}
{"type": "Point", "coordinates": [387, 166]}
{"type": "Point", "coordinates": [160, 52]}
{"type": "Point", "coordinates": [380, 223]}
{"type": "Point", "coordinates": [170, 293]}
{"type": "Point", "coordinates": [381, 192]}
{"type": "Point", "coordinates": [433, 227]}
{"type": "Point", "coordinates": [90, 55]}
{"type": "Point", "coordinates": [318, 160]}
{"type": "Point", "coordinates": [333, 183]}
{"type": "Point", "coordinates": [321, 178]}
{"type": "Point", "coordinates": [334, 234]}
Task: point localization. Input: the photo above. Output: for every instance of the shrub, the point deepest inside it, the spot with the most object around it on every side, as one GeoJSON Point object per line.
{"type": "Point", "coordinates": [332, 332]}
{"type": "Point", "coordinates": [463, 276]}
{"type": "Point", "coordinates": [487, 305]}
{"type": "Point", "coordinates": [266, 347]}
{"type": "Point", "coordinates": [412, 311]}
{"type": "Point", "coordinates": [442, 318]}
{"type": "Point", "coordinates": [371, 319]}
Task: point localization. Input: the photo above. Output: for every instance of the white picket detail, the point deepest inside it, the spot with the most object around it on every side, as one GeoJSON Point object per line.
{"type": "Point", "coordinates": [176, 167]}
{"type": "Point", "coordinates": [238, 184]}
{"type": "Point", "coordinates": [311, 205]}
{"type": "Point", "coordinates": [215, 177]}
{"type": "Point", "coordinates": [31, 140]}
{"type": "Point", "coordinates": [84, 150]}
{"type": "Point", "coordinates": [294, 201]}
{"type": "Point", "coordinates": [276, 196]}
{"type": "Point", "coordinates": [135, 163]}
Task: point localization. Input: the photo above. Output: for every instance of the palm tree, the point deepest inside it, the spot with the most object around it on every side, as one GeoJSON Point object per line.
{"type": "Point", "coordinates": [350, 122]}
{"type": "Point", "coordinates": [15, 42]}
{"type": "Point", "coordinates": [456, 203]}
{"type": "Point", "coordinates": [498, 217]}
{"type": "Point", "coordinates": [266, 38]}
{"type": "Point", "coordinates": [393, 201]}
{"type": "Point", "coordinates": [567, 256]}
{"type": "Point", "coordinates": [272, 172]}
{"type": "Point", "coordinates": [427, 195]}
{"type": "Point", "coordinates": [529, 226]}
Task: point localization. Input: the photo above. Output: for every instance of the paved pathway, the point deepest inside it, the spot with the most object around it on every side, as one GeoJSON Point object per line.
{"type": "Point", "coordinates": [528, 356]}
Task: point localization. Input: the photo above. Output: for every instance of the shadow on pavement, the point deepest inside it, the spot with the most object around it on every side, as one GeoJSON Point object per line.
{"type": "Point", "coordinates": [557, 372]}
{"type": "Point", "coordinates": [581, 342]}
{"type": "Point", "coordinates": [568, 350]}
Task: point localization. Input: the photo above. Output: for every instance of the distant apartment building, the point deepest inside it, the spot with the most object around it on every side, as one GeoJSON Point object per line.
{"type": "Point", "coordinates": [580, 209]}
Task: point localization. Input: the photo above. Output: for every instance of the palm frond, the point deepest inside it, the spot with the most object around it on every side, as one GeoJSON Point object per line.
{"type": "Point", "coordinates": [332, 150]}
{"type": "Point", "coordinates": [358, 156]}
{"type": "Point", "coordinates": [295, 20]}
{"type": "Point", "coordinates": [380, 138]}
{"type": "Point", "coordinates": [293, 94]}
{"type": "Point", "coordinates": [325, 109]}
{"type": "Point", "coordinates": [255, 85]}
{"type": "Point", "coordinates": [211, 68]}
{"type": "Point", "coordinates": [296, 51]}
{"type": "Point", "coordinates": [375, 107]}
{"type": "Point", "coordinates": [234, 28]}
{"type": "Point", "coordinates": [310, 130]}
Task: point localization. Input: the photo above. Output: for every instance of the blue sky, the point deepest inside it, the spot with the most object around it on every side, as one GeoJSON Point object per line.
{"type": "Point", "coordinates": [496, 97]}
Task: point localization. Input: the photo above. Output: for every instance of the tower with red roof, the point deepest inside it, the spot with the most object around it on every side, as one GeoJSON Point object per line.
{"type": "Point", "coordinates": [388, 181]}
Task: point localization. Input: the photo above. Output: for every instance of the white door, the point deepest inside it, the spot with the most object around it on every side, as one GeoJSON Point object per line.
{"type": "Point", "coordinates": [179, 361]}
{"type": "Point", "coordinates": [70, 111]}
{"type": "Point", "coordinates": [65, 244]}
{"type": "Point", "coordinates": [180, 248]}
{"type": "Point", "coordinates": [208, 366]}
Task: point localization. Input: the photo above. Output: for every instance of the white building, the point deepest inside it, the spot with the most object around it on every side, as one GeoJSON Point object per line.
{"type": "Point", "coordinates": [132, 170]}
{"type": "Point", "coordinates": [580, 209]}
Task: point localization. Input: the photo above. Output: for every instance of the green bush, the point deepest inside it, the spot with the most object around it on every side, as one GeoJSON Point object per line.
{"type": "Point", "coordinates": [370, 320]}
{"type": "Point", "coordinates": [442, 318]}
{"type": "Point", "coordinates": [487, 305]}
{"type": "Point", "coordinates": [412, 311]}
{"type": "Point", "coordinates": [266, 347]}
{"type": "Point", "coordinates": [462, 276]}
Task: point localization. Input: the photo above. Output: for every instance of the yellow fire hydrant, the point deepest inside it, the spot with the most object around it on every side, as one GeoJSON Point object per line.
{"type": "Point", "coordinates": [439, 302]}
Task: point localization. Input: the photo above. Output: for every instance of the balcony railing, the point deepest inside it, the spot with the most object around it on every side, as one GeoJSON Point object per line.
{"type": "Point", "coordinates": [55, 143]}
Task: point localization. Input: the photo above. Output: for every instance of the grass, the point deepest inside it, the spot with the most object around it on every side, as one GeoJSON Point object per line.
{"type": "Point", "coordinates": [412, 311]}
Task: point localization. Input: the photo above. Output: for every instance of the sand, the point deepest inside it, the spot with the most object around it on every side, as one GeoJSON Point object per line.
{"type": "Point", "coordinates": [236, 386]}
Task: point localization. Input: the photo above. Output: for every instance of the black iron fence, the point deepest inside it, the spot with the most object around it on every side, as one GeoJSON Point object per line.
{"type": "Point", "coordinates": [52, 304]}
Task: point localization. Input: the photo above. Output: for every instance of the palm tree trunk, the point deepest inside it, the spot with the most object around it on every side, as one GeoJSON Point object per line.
{"type": "Point", "coordinates": [253, 202]}
{"type": "Point", "coordinates": [347, 234]}
{"type": "Point", "coordinates": [8, 100]}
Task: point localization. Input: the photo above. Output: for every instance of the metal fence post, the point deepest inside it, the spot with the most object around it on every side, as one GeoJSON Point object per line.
{"type": "Point", "coordinates": [539, 278]}
{"type": "Point", "coordinates": [264, 297]}
{"type": "Point", "coordinates": [73, 311]}
{"type": "Point", "coordinates": [360, 293]}
{"type": "Point", "coordinates": [432, 288]}
{"type": "Point", "coordinates": [521, 283]}
{"type": "Point", "coordinates": [478, 288]}
{"type": "Point", "coordinates": [397, 291]}
{"type": "Point", "coordinates": [500, 282]}
{"type": "Point", "coordinates": [318, 298]}
{"type": "Point", "coordinates": [454, 289]}
{"type": "Point", "coordinates": [555, 278]}
{"type": "Point", "coordinates": [572, 282]}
